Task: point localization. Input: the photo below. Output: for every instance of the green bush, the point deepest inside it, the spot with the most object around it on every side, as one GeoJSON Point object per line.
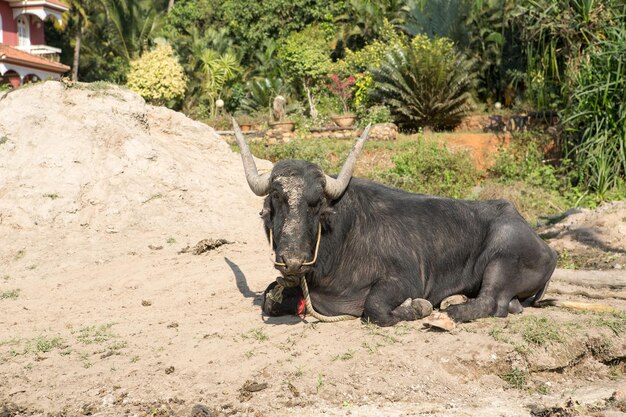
{"type": "Point", "coordinates": [430, 168]}
{"type": "Point", "coordinates": [425, 83]}
{"type": "Point", "coordinates": [373, 115]}
{"type": "Point", "coordinates": [523, 159]}
{"type": "Point", "coordinates": [157, 76]}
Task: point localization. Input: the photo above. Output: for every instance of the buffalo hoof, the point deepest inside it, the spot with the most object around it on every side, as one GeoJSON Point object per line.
{"type": "Point", "coordinates": [440, 321]}
{"type": "Point", "coordinates": [422, 307]}
{"type": "Point", "coordinates": [413, 309]}
{"type": "Point", "coordinates": [452, 301]}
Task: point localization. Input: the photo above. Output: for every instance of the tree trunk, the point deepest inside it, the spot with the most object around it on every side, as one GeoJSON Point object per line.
{"type": "Point", "coordinates": [79, 38]}
{"type": "Point", "coordinates": [312, 108]}
{"type": "Point", "coordinates": [170, 5]}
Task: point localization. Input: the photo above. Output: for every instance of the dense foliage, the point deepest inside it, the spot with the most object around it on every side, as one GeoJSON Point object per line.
{"type": "Point", "coordinates": [420, 62]}
{"type": "Point", "coordinates": [426, 83]}
{"type": "Point", "coordinates": [157, 76]}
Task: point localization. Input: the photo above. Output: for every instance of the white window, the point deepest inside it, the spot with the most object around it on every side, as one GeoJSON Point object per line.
{"type": "Point", "coordinates": [23, 31]}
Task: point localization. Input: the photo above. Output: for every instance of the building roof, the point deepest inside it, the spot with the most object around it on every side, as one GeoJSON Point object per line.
{"type": "Point", "coordinates": [25, 3]}
{"type": "Point", "coordinates": [10, 55]}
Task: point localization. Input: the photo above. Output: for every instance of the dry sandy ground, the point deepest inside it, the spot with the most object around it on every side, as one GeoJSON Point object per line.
{"type": "Point", "coordinates": [103, 313]}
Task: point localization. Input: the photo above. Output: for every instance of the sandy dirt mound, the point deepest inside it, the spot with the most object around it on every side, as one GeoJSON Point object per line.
{"type": "Point", "coordinates": [103, 313]}
{"type": "Point", "coordinates": [102, 160]}
{"type": "Point", "coordinates": [591, 239]}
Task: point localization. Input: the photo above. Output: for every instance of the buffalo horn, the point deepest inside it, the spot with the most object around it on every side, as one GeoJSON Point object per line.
{"type": "Point", "coordinates": [336, 187]}
{"type": "Point", "coordinates": [259, 184]}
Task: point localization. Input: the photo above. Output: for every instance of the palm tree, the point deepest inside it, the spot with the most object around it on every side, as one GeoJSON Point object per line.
{"type": "Point", "coordinates": [79, 16]}
{"type": "Point", "coordinates": [133, 23]}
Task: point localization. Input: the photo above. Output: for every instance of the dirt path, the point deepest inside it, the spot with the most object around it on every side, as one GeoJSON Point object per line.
{"type": "Point", "coordinates": [105, 311]}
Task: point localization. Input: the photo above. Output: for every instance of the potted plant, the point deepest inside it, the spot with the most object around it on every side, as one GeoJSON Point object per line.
{"type": "Point", "coordinates": [245, 122]}
{"type": "Point", "coordinates": [342, 89]}
{"type": "Point", "coordinates": [278, 114]}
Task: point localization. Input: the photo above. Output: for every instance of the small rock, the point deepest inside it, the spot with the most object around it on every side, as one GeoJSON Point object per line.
{"type": "Point", "coordinates": [200, 410]}
{"type": "Point", "coordinates": [146, 303]}
{"type": "Point", "coordinates": [169, 370]}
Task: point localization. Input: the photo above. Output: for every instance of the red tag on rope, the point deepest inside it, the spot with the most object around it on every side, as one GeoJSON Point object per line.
{"type": "Point", "coordinates": [301, 308]}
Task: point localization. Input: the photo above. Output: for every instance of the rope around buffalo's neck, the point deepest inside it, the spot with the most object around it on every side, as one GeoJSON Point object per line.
{"type": "Point", "coordinates": [321, 317]}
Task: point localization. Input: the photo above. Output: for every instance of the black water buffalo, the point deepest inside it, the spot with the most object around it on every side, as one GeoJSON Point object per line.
{"type": "Point", "coordinates": [383, 251]}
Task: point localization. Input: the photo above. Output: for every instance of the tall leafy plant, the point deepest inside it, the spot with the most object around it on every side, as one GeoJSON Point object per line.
{"type": "Point", "coordinates": [425, 83]}
{"type": "Point", "coordinates": [595, 116]}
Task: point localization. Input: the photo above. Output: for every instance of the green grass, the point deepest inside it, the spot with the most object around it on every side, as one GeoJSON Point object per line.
{"type": "Point", "coordinates": [256, 334]}
{"type": "Point", "coordinates": [346, 356]}
{"type": "Point", "coordinates": [10, 294]}
{"type": "Point", "coordinates": [43, 344]}
{"type": "Point", "coordinates": [52, 196]}
{"type": "Point", "coordinates": [95, 334]}
{"type": "Point", "coordinates": [614, 321]}
{"type": "Point", "coordinates": [539, 331]}
{"type": "Point", "coordinates": [516, 378]}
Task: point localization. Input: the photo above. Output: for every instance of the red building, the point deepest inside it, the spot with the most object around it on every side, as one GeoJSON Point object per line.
{"type": "Point", "coordinates": [24, 55]}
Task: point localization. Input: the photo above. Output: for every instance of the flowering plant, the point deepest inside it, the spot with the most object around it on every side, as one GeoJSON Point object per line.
{"type": "Point", "coordinates": [342, 89]}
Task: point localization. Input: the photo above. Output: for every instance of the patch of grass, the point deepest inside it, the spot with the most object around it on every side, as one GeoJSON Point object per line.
{"type": "Point", "coordinates": [566, 261]}
{"type": "Point", "coordinates": [256, 334]}
{"type": "Point", "coordinates": [170, 241]}
{"type": "Point", "coordinates": [516, 378]}
{"type": "Point", "coordinates": [19, 255]}
{"type": "Point", "coordinates": [134, 359]}
{"type": "Point", "coordinates": [614, 321]}
{"type": "Point", "coordinates": [43, 344]}
{"type": "Point", "coordinates": [346, 356]}
{"type": "Point", "coordinates": [95, 334]}
{"type": "Point", "coordinates": [10, 294]}
{"type": "Point", "coordinates": [382, 333]}
{"type": "Point", "coordinates": [320, 382]}
{"type": "Point", "coordinates": [6, 278]}
{"type": "Point", "coordinates": [99, 86]}
{"type": "Point", "coordinates": [498, 334]}
{"type": "Point", "coordinates": [544, 389]}
{"type": "Point", "coordinates": [4, 139]}
{"type": "Point", "coordinates": [429, 167]}
{"type": "Point", "coordinates": [52, 196]}
{"type": "Point", "coordinates": [84, 358]}
{"type": "Point", "coordinates": [539, 331]}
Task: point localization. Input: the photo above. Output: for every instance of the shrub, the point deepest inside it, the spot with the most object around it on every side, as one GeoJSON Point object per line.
{"type": "Point", "coordinates": [373, 115]}
{"type": "Point", "coordinates": [430, 168]}
{"type": "Point", "coordinates": [523, 159]}
{"type": "Point", "coordinates": [425, 83]}
{"type": "Point", "coordinates": [158, 77]}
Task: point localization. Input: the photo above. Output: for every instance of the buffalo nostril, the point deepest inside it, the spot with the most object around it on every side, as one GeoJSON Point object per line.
{"type": "Point", "coordinates": [293, 265]}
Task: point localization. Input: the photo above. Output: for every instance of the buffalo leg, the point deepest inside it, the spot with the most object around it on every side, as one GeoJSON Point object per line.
{"type": "Point", "coordinates": [389, 303]}
{"type": "Point", "coordinates": [503, 281]}
{"type": "Point", "coordinates": [289, 304]}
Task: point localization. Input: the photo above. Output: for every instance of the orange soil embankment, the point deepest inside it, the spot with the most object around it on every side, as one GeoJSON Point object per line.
{"type": "Point", "coordinates": [483, 147]}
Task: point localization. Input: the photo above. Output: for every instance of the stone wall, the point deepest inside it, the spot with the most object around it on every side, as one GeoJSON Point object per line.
{"type": "Point", "coordinates": [382, 131]}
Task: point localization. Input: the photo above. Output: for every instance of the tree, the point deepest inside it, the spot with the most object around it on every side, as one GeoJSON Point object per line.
{"type": "Point", "coordinates": [363, 20]}
{"type": "Point", "coordinates": [132, 25]}
{"type": "Point", "coordinates": [79, 16]}
{"type": "Point", "coordinates": [305, 56]}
